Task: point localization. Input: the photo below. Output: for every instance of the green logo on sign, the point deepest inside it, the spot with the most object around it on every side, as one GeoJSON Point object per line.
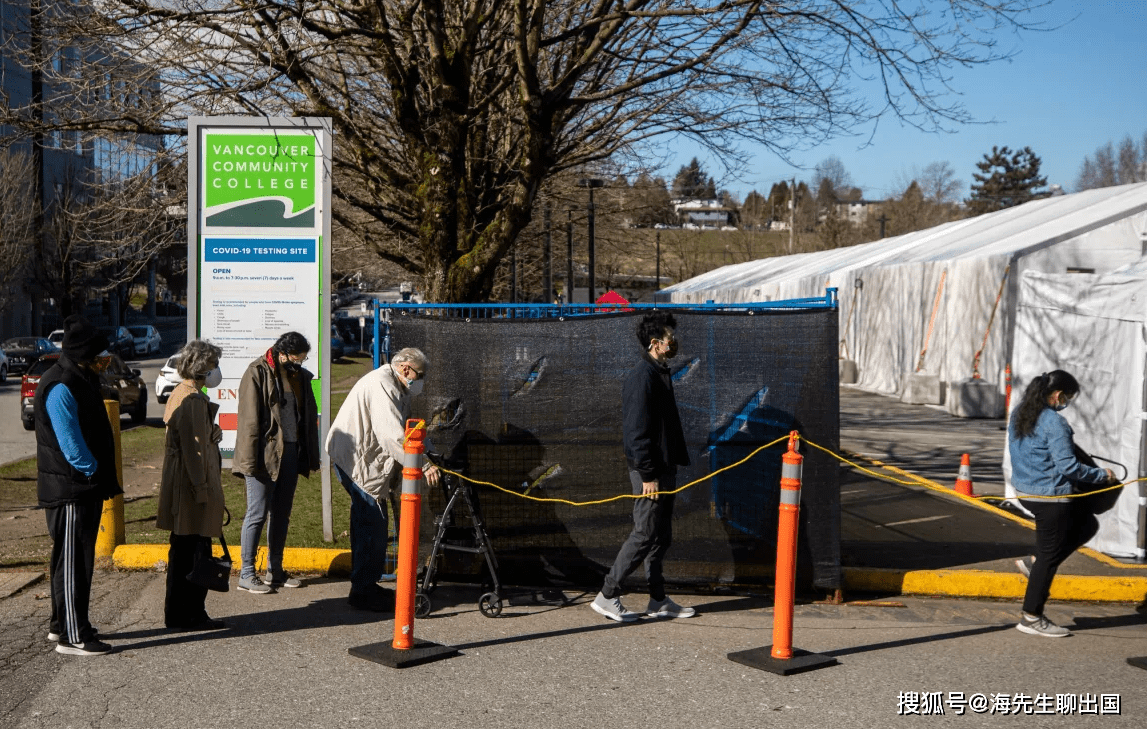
{"type": "Point", "coordinates": [260, 180]}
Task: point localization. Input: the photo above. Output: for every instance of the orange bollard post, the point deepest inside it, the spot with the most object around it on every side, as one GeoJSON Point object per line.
{"type": "Point", "coordinates": [1007, 388]}
{"type": "Point", "coordinates": [964, 477]}
{"type": "Point", "coordinates": [404, 650]}
{"type": "Point", "coordinates": [781, 657]}
{"type": "Point", "coordinates": [788, 522]}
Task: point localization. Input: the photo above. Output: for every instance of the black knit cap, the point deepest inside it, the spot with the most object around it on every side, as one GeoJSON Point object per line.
{"type": "Point", "coordinates": [82, 341]}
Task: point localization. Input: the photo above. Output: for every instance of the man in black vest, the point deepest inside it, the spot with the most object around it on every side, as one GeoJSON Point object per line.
{"type": "Point", "coordinates": [75, 461]}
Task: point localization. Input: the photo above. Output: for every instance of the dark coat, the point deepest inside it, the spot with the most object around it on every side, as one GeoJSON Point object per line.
{"type": "Point", "coordinates": [651, 425]}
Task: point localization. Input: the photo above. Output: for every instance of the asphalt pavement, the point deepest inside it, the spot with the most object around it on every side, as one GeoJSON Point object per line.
{"type": "Point", "coordinates": [283, 661]}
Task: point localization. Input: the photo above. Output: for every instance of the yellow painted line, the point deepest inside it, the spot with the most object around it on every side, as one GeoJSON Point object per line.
{"type": "Point", "coordinates": [985, 583]}
{"type": "Point", "coordinates": [332, 562]}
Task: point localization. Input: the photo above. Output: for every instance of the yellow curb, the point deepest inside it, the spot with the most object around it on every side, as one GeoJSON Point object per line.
{"type": "Point", "coordinates": [985, 583]}
{"type": "Point", "coordinates": [330, 562]}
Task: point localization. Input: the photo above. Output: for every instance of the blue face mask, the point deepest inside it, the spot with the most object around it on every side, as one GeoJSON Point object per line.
{"type": "Point", "coordinates": [1060, 406]}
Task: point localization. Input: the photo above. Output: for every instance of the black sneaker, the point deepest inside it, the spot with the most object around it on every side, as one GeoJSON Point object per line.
{"type": "Point", "coordinates": [54, 636]}
{"type": "Point", "coordinates": [91, 647]}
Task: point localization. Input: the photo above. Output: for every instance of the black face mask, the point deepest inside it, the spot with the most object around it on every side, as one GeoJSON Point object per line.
{"type": "Point", "coordinates": [291, 368]}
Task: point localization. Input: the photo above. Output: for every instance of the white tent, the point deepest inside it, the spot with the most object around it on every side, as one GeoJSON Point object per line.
{"type": "Point", "coordinates": [1095, 327]}
{"type": "Point", "coordinates": [887, 289]}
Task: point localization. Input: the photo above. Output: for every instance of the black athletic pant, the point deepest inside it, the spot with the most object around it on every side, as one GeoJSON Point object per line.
{"type": "Point", "coordinates": [184, 605]}
{"type": "Point", "coordinates": [648, 542]}
{"type": "Point", "coordinates": [73, 528]}
{"type": "Point", "coordinates": [1060, 529]}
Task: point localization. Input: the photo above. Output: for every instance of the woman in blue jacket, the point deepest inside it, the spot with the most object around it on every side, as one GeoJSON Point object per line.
{"type": "Point", "coordinates": [1044, 467]}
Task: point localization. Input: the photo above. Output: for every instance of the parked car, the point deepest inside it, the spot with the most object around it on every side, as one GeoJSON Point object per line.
{"type": "Point", "coordinates": [166, 380]}
{"type": "Point", "coordinates": [120, 341]}
{"type": "Point", "coordinates": [146, 338]}
{"type": "Point", "coordinates": [24, 351]}
{"type": "Point", "coordinates": [3, 367]}
{"type": "Point", "coordinates": [117, 382]}
{"type": "Point", "coordinates": [57, 338]}
{"type": "Point", "coordinates": [338, 349]}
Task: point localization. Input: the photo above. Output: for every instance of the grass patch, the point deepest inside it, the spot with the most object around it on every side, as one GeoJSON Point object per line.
{"type": "Point", "coordinates": [142, 448]}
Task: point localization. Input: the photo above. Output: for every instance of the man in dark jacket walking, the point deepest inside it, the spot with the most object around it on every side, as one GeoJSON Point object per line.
{"type": "Point", "coordinates": [654, 448]}
{"type": "Point", "coordinates": [76, 471]}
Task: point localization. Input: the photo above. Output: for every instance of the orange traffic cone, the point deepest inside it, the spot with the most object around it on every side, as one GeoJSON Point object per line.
{"type": "Point", "coordinates": [964, 478]}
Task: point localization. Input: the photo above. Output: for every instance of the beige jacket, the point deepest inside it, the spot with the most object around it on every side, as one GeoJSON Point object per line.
{"type": "Point", "coordinates": [191, 489]}
{"type": "Point", "coordinates": [365, 439]}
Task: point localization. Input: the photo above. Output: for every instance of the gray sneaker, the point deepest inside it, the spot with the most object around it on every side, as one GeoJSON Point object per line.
{"type": "Point", "coordinates": [284, 581]}
{"type": "Point", "coordinates": [254, 584]}
{"type": "Point", "coordinates": [1039, 625]}
{"type": "Point", "coordinates": [668, 609]}
{"type": "Point", "coordinates": [1025, 565]}
{"type": "Point", "coordinates": [613, 609]}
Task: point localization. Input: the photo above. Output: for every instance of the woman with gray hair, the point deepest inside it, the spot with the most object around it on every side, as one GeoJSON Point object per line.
{"type": "Point", "coordinates": [191, 490]}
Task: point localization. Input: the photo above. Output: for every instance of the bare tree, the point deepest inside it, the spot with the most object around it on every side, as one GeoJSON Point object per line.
{"type": "Point", "coordinates": [452, 116]}
{"type": "Point", "coordinates": [17, 216]}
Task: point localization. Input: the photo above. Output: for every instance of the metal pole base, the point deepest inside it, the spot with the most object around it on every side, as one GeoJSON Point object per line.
{"type": "Point", "coordinates": [1138, 662]}
{"type": "Point", "coordinates": [762, 659]}
{"type": "Point", "coordinates": [385, 653]}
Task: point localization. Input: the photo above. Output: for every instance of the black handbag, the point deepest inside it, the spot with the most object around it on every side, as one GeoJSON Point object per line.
{"type": "Point", "coordinates": [210, 571]}
{"type": "Point", "coordinates": [1097, 503]}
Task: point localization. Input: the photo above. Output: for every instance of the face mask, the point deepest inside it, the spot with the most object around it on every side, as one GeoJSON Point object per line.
{"type": "Point", "coordinates": [415, 387]}
{"type": "Point", "coordinates": [1060, 406]}
{"type": "Point", "coordinates": [213, 378]}
{"type": "Point", "coordinates": [292, 368]}
{"type": "Point", "coordinates": [672, 352]}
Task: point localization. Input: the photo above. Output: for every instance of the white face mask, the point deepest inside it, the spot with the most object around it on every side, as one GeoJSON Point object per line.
{"type": "Point", "coordinates": [415, 387]}
{"type": "Point", "coordinates": [214, 377]}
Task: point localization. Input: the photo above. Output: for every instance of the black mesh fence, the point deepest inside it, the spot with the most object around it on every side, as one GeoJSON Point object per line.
{"type": "Point", "coordinates": [534, 405]}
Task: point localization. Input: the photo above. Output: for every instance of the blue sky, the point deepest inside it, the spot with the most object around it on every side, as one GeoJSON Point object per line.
{"type": "Point", "coordinates": [1066, 92]}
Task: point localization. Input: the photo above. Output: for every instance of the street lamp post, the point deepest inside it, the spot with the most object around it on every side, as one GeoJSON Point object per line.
{"type": "Point", "coordinates": [569, 256]}
{"type": "Point", "coordinates": [591, 183]}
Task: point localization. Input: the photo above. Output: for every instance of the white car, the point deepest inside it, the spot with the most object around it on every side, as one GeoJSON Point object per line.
{"type": "Point", "coordinates": [57, 338]}
{"type": "Point", "coordinates": [146, 339]}
{"type": "Point", "coordinates": [166, 380]}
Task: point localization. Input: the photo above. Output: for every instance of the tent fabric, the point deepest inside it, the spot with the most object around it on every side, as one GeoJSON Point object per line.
{"type": "Point", "coordinates": [887, 289]}
{"type": "Point", "coordinates": [1092, 326]}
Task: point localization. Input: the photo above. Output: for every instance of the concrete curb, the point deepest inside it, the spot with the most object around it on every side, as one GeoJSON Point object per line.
{"type": "Point", "coordinates": [986, 583]}
{"type": "Point", "coordinates": [949, 583]}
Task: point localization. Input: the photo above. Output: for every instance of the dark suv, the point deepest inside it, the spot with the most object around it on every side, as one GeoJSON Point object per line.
{"type": "Point", "coordinates": [24, 351]}
{"type": "Point", "coordinates": [117, 382]}
{"type": "Point", "coordinates": [120, 341]}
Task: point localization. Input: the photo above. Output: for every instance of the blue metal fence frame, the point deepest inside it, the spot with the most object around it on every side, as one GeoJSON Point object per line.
{"type": "Point", "coordinates": [381, 345]}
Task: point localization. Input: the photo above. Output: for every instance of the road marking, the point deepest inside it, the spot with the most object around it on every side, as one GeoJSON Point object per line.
{"type": "Point", "coordinates": [917, 521]}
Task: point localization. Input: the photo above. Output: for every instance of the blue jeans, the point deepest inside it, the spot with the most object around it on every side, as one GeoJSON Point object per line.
{"type": "Point", "coordinates": [368, 538]}
{"type": "Point", "coordinates": [269, 503]}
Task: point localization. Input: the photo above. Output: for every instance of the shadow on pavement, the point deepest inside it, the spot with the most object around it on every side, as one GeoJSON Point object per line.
{"type": "Point", "coordinates": [329, 612]}
{"type": "Point", "coordinates": [918, 641]}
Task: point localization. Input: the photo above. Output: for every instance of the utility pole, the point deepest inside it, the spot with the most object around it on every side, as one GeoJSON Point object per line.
{"type": "Point", "coordinates": [569, 256]}
{"type": "Point", "coordinates": [591, 183]}
{"type": "Point", "coordinates": [882, 220]}
{"type": "Point", "coordinates": [792, 216]}
{"type": "Point", "coordinates": [547, 264]}
{"type": "Point", "coordinates": [657, 283]}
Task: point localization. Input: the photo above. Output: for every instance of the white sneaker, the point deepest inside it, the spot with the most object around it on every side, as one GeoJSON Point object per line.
{"type": "Point", "coordinates": [1025, 566]}
{"type": "Point", "coordinates": [613, 609]}
{"type": "Point", "coordinates": [668, 609]}
{"type": "Point", "coordinates": [1039, 625]}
